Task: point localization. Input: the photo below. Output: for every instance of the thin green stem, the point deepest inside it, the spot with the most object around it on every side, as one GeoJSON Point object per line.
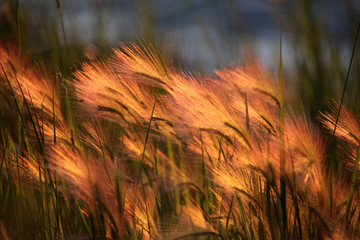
{"type": "Point", "coordinates": [352, 187]}
{"type": "Point", "coordinates": [18, 26]}
{"type": "Point", "coordinates": [282, 151]}
{"type": "Point", "coordinates": [58, 3]}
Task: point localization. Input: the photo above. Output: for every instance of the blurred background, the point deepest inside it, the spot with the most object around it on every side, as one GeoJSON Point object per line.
{"type": "Point", "coordinates": [200, 35]}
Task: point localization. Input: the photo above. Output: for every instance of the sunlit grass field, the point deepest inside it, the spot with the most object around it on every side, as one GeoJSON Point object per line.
{"type": "Point", "coordinates": [129, 146]}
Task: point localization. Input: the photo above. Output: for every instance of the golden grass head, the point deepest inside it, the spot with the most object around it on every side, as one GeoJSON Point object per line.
{"type": "Point", "coordinates": [251, 79]}
{"type": "Point", "coordinates": [114, 94]}
{"type": "Point", "coordinates": [306, 151]}
{"type": "Point", "coordinates": [347, 128]}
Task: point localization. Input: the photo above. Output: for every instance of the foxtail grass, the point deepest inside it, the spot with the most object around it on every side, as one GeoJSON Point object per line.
{"type": "Point", "coordinates": [130, 148]}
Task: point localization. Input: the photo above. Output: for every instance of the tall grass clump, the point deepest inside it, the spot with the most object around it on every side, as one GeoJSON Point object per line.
{"type": "Point", "coordinates": [131, 148]}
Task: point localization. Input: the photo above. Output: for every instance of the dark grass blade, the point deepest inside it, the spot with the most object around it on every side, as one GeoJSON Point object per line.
{"type": "Point", "coordinates": [30, 114]}
{"type": "Point", "coordinates": [13, 95]}
{"type": "Point", "coordinates": [338, 114]}
{"type": "Point", "coordinates": [142, 163]}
